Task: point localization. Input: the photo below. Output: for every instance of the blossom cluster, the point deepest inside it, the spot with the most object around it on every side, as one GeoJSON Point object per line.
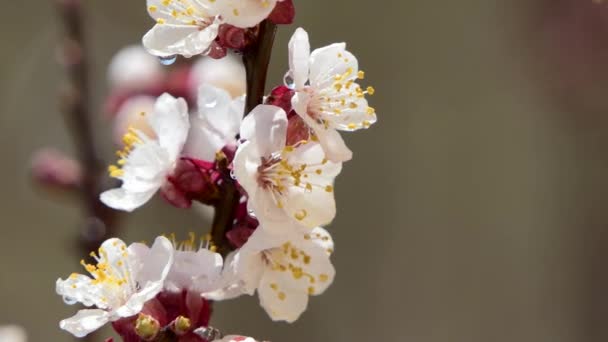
{"type": "Point", "coordinates": [279, 160]}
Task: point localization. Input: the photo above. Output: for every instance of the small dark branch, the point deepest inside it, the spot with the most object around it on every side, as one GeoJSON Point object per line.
{"type": "Point", "coordinates": [256, 63]}
{"type": "Point", "coordinates": [256, 60]}
{"type": "Point", "coordinates": [224, 211]}
{"type": "Point", "coordinates": [100, 221]}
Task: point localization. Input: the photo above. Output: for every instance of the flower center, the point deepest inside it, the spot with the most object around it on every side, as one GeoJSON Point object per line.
{"type": "Point", "coordinates": [193, 244]}
{"type": "Point", "coordinates": [113, 277]}
{"type": "Point", "coordinates": [131, 139]}
{"type": "Point", "coordinates": [296, 262]}
{"type": "Point", "coordinates": [277, 174]}
{"type": "Point", "coordinates": [337, 100]}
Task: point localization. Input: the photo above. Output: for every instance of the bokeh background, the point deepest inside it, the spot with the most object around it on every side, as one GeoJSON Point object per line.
{"type": "Point", "coordinates": [475, 210]}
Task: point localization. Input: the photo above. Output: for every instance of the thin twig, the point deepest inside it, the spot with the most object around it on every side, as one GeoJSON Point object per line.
{"type": "Point", "coordinates": [256, 60]}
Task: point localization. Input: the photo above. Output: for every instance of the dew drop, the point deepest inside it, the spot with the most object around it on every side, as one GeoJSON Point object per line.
{"type": "Point", "coordinates": [211, 104]}
{"type": "Point", "coordinates": [69, 300]}
{"type": "Point", "coordinates": [288, 80]}
{"type": "Point", "coordinates": [232, 175]}
{"type": "Point", "coordinates": [168, 60]}
{"type": "Point", "coordinates": [251, 213]}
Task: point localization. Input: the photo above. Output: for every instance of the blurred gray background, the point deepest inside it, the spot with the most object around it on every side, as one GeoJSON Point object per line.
{"type": "Point", "coordinates": [473, 211]}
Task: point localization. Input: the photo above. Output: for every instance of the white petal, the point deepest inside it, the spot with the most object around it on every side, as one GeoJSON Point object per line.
{"type": "Point", "coordinates": [231, 284]}
{"type": "Point", "coordinates": [155, 261]}
{"type": "Point", "coordinates": [318, 248]}
{"type": "Point", "coordinates": [328, 62]}
{"type": "Point", "coordinates": [334, 146]}
{"type": "Point", "coordinates": [121, 199]}
{"type": "Point", "coordinates": [299, 55]}
{"type": "Point", "coordinates": [13, 333]}
{"type": "Point", "coordinates": [146, 166]}
{"type": "Point", "coordinates": [227, 73]}
{"type": "Point", "coordinates": [129, 115]}
{"type": "Point", "coordinates": [151, 274]}
{"type": "Point", "coordinates": [216, 106]}
{"type": "Point", "coordinates": [166, 40]}
{"type": "Point", "coordinates": [198, 271]}
{"type": "Point", "coordinates": [266, 127]}
{"type": "Point", "coordinates": [322, 238]}
{"type": "Point", "coordinates": [281, 301]}
{"type": "Point", "coordinates": [203, 143]}
{"type": "Point", "coordinates": [78, 287]}
{"type": "Point", "coordinates": [246, 163]}
{"type": "Point", "coordinates": [267, 209]}
{"type": "Point", "coordinates": [245, 13]}
{"type": "Point", "coordinates": [161, 9]}
{"type": "Point", "coordinates": [170, 121]}
{"type": "Point", "coordinates": [85, 322]}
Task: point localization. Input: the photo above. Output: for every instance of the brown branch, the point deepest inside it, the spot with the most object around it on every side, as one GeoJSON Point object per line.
{"type": "Point", "coordinates": [100, 221]}
{"type": "Point", "coordinates": [256, 60]}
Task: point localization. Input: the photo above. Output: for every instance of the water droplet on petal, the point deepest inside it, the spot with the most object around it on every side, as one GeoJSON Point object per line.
{"type": "Point", "coordinates": [168, 60]}
{"type": "Point", "coordinates": [251, 213]}
{"type": "Point", "coordinates": [211, 104]}
{"type": "Point", "coordinates": [69, 300]}
{"type": "Point", "coordinates": [232, 175]}
{"type": "Point", "coordinates": [288, 80]}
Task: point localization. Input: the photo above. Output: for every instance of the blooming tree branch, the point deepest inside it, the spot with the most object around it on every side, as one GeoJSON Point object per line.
{"type": "Point", "coordinates": [267, 165]}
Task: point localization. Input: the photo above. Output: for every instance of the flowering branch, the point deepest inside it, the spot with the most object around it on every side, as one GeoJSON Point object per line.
{"type": "Point", "coordinates": [100, 220]}
{"type": "Point", "coordinates": [256, 60]}
{"type": "Point", "coordinates": [267, 169]}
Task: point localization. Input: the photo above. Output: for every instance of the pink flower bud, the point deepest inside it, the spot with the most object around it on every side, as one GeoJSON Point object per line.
{"type": "Point", "coordinates": [284, 13]}
{"type": "Point", "coordinates": [52, 168]}
{"type": "Point", "coordinates": [216, 51]}
{"type": "Point", "coordinates": [232, 37]}
{"type": "Point", "coordinates": [239, 235]}
{"type": "Point", "coordinates": [281, 97]}
{"type": "Point", "coordinates": [191, 179]}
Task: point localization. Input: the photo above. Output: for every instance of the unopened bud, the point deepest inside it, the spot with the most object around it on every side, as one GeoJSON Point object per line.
{"type": "Point", "coordinates": [181, 325]}
{"type": "Point", "coordinates": [232, 37]}
{"type": "Point", "coordinates": [54, 169]}
{"type": "Point", "coordinates": [284, 13]}
{"type": "Point", "coordinates": [146, 327]}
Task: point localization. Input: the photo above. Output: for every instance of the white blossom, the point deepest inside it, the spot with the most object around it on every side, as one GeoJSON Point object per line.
{"type": "Point", "coordinates": [327, 96]}
{"type": "Point", "coordinates": [285, 269]}
{"type": "Point", "coordinates": [196, 267]}
{"type": "Point", "coordinates": [216, 123]}
{"type": "Point", "coordinates": [13, 333]}
{"type": "Point", "coordinates": [133, 68]}
{"type": "Point", "coordinates": [145, 162]}
{"type": "Point", "coordinates": [118, 286]}
{"type": "Point", "coordinates": [183, 27]}
{"type": "Point", "coordinates": [227, 73]}
{"type": "Point", "coordinates": [284, 183]}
